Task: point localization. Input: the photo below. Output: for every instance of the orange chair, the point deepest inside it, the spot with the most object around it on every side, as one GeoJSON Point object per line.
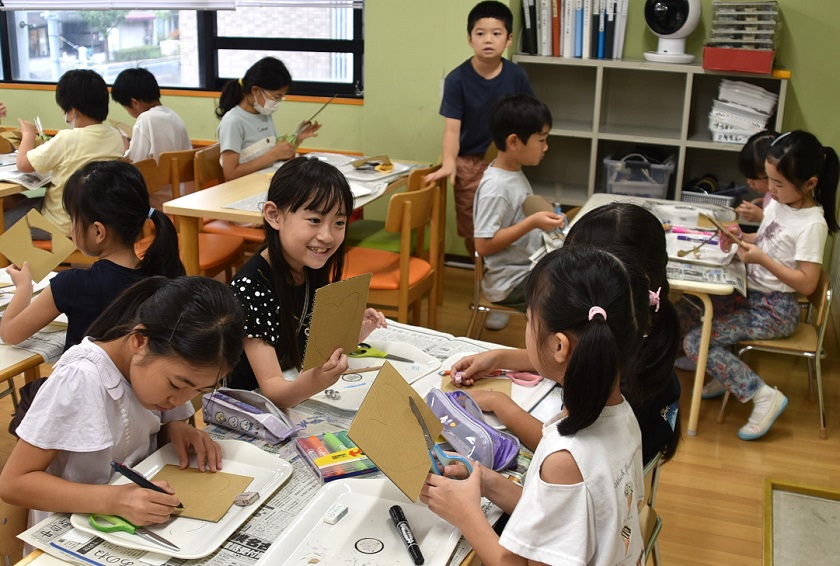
{"type": "Point", "coordinates": [372, 233]}
{"type": "Point", "coordinates": [216, 252]}
{"type": "Point", "coordinates": [401, 280]}
{"type": "Point", "coordinates": [208, 173]}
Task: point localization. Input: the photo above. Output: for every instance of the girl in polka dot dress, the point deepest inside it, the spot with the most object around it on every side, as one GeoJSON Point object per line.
{"type": "Point", "coordinates": [305, 217]}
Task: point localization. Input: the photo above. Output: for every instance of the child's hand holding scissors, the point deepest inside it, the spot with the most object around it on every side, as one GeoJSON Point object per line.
{"type": "Point", "coordinates": [306, 129]}
{"type": "Point", "coordinates": [731, 235]}
{"type": "Point", "coordinates": [470, 369]}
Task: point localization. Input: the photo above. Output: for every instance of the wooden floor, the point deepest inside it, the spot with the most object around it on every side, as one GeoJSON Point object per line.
{"type": "Point", "coordinates": [711, 495]}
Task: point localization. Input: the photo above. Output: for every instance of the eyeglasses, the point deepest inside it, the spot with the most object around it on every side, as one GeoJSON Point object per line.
{"type": "Point", "coordinates": [268, 96]}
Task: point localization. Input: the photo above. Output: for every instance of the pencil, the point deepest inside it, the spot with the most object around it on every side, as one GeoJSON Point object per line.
{"type": "Point", "coordinates": [362, 370]}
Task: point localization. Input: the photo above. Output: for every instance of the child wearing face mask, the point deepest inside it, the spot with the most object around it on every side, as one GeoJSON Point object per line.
{"type": "Point", "coordinates": [82, 96]}
{"type": "Point", "coordinates": [247, 137]}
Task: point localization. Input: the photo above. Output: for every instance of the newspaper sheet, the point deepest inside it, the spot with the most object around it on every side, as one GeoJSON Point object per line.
{"type": "Point", "coordinates": [734, 274]}
{"type": "Point", "coordinates": [30, 181]}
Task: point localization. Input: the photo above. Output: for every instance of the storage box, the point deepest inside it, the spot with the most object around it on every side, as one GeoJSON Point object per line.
{"type": "Point", "coordinates": [740, 60]}
{"type": "Point", "coordinates": [707, 198]}
{"type": "Point", "coordinates": [333, 456]}
{"type": "Point", "coordinates": [635, 176]}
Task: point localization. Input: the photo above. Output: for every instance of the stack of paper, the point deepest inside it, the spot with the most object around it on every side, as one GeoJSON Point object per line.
{"type": "Point", "coordinates": [744, 25]}
{"type": "Point", "coordinates": [741, 110]}
{"type": "Point", "coordinates": [587, 29]}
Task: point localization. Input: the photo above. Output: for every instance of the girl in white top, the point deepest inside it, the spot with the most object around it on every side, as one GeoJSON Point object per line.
{"type": "Point", "coordinates": [119, 395]}
{"type": "Point", "coordinates": [247, 137]}
{"type": "Point", "coordinates": [580, 501]}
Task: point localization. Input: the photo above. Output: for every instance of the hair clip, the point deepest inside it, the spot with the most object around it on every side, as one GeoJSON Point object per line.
{"type": "Point", "coordinates": [654, 298]}
{"type": "Point", "coordinates": [780, 137]}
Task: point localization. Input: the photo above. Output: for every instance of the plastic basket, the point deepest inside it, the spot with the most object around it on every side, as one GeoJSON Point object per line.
{"type": "Point", "coordinates": [634, 175]}
{"type": "Point", "coordinates": [707, 198]}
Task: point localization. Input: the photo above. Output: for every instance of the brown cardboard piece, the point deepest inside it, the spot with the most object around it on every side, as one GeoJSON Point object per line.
{"type": "Point", "coordinates": [723, 228]}
{"type": "Point", "coordinates": [205, 495]}
{"type": "Point", "coordinates": [500, 384]}
{"type": "Point", "coordinates": [536, 203]}
{"type": "Point", "coordinates": [16, 245]}
{"type": "Point", "coordinates": [336, 319]}
{"type": "Point", "coordinates": [387, 431]}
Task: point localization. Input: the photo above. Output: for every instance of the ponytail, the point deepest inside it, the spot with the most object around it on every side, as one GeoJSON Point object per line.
{"type": "Point", "coordinates": [268, 73]}
{"type": "Point", "coordinates": [162, 257]}
{"type": "Point", "coordinates": [826, 191]}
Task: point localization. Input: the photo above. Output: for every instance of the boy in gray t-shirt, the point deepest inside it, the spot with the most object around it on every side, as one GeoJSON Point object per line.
{"type": "Point", "coordinates": [504, 236]}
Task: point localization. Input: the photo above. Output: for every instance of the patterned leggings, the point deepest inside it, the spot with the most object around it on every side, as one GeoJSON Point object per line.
{"type": "Point", "coordinates": [757, 316]}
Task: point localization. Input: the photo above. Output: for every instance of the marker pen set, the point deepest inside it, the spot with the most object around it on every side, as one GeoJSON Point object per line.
{"type": "Point", "coordinates": [333, 455]}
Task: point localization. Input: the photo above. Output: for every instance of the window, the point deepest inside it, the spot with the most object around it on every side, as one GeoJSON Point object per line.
{"type": "Point", "coordinates": [323, 47]}
{"type": "Point", "coordinates": [43, 45]}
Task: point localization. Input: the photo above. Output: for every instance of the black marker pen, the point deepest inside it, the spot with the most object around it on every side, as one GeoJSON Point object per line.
{"type": "Point", "coordinates": [404, 530]}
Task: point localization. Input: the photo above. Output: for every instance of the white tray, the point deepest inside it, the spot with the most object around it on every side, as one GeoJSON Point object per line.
{"type": "Point", "coordinates": [199, 538]}
{"type": "Point", "coordinates": [309, 540]}
{"type": "Point", "coordinates": [353, 387]}
{"type": "Point", "coordinates": [525, 397]}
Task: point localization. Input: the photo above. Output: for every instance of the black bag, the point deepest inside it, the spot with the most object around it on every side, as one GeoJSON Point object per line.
{"type": "Point", "coordinates": [27, 395]}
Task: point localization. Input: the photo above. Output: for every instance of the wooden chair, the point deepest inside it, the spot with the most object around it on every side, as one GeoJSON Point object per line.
{"type": "Point", "coordinates": [13, 521]}
{"type": "Point", "coordinates": [649, 520]}
{"type": "Point", "coordinates": [208, 173]}
{"type": "Point", "coordinates": [401, 280]}
{"type": "Point", "coordinates": [480, 305]}
{"type": "Point", "coordinates": [372, 233]}
{"type": "Point", "coordinates": [806, 342]}
{"type": "Point", "coordinates": [216, 252]}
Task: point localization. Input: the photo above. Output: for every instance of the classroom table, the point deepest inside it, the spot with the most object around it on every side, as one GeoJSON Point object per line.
{"type": "Point", "coordinates": [214, 203]}
{"type": "Point", "coordinates": [700, 290]}
{"type": "Point", "coordinates": [443, 347]}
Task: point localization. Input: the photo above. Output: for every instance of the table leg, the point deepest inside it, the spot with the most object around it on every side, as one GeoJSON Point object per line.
{"type": "Point", "coordinates": [702, 358]}
{"type": "Point", "coordinates": [189, 244]}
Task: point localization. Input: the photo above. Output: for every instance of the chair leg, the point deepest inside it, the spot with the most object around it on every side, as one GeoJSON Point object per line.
{"type": "Point", "coordinates": [818, 371]}
{"type": "Point", "coordinates": [471, 323]}
{"type": "Point", "coordinates": [723, 407]}
{"type": "Point", "coordinates": [656, 560]}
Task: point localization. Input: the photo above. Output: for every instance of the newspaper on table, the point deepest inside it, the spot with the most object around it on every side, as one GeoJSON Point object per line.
{"type": "Point", "coordinates": [29, 181]}
{"type": "Point", "coordinates": [734, 274]}
{"type": "Point", "coordinates": [56, 536]}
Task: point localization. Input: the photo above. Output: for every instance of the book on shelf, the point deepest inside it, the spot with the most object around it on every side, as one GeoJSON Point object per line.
{"type": "Point", "coordinates": [529, 27]}
{"type": "Point", "coordinates": [567, 23]}
{"type": "Point", "coordinates": [544, 26]}
{"type": "Point", "coordinates": [556, 39]}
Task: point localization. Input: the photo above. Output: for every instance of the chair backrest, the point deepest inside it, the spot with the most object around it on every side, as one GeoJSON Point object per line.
{"type": "Point", "coordinates": [820, 301]}
{"type": "Point", "coordinates": [478, 277]}
{"type": "Point", "coordinates": [417, 176]}
{"type": "Point", "coordinates": [177, 167]}
{"type": "Point", "coordinates": [149, 169]}
{"type": "Point", "coordinates": [208, 169]}
{"type": "Point", "coordinates": [411, 210]}
{"type": "Point", "coordinates": [13, 521]}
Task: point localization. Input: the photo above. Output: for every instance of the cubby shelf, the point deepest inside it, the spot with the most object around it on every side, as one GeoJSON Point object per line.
{"type": "Point", "coordinates": [604, 107]}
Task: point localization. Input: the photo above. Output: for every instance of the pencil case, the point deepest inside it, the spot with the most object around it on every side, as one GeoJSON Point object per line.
{"type": "Point", "coordinates": [249, 413]}
{"type": "Point", "coordinates": [465, 430]}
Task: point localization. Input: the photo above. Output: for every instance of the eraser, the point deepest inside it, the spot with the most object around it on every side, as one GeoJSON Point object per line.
{"type": "Point", "coordinates": [335, 513]}
{"type": "Point", "coordinates": [246, 498]}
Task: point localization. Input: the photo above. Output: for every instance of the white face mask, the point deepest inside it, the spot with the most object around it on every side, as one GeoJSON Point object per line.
{"type": "Point", "coordinates": [67, 120]}
{"type": "Point", "coordinates": [270, 105]}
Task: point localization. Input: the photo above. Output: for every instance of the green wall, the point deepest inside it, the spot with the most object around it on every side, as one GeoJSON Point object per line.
{"type": "Point", "coordinates": [411, 45]}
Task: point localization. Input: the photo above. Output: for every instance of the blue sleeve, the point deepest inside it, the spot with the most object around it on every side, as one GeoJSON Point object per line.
{"type": "Point", "coordinates": [231, 133]}
{"type": "Point", "coordinates": [65, 286]}
{"type": "Point", "coordinates": [452, 103]}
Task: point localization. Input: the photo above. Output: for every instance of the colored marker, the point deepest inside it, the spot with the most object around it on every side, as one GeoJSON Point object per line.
{"type": "Point", "coordinates": [139, 479]}
{"type": "Point", "coordinates": [404, 530]}
{"type": "Point", "coordinates": [319, 447]}
{"type": "Point", "coordinates": [308, 448]}
{"type": "Point", "coordinates": [334, 443]}
{"type": "Point", "coordinates": [345, 440]}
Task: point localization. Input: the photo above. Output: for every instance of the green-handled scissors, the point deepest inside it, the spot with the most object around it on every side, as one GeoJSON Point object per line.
{"type": "Point", "coordinates": [112, 523]}
{"type": "Point", "coordinates": [367, 351]}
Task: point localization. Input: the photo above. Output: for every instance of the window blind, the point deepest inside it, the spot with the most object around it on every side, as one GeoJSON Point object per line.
{"type": "Point", "coordinates": [117, 4]}
{"type": "Point", "coordinates": [357, 4]}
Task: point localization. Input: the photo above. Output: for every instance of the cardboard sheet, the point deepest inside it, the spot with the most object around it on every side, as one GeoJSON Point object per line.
{"type": "Point", "coordinates": [205, 495]}
{"type": "Point", "coordinates": [336, 319]}
{"type": "Point", "coordinates": [723, 228]}
{"type": "Point", "coordinates": [16, 245]}
{"type": "Point", "coordinates": [536, 203]}
{"type": "Point", "coordinates": [387, 431]}
{"type": "Point", "coordinates": [500, 384]}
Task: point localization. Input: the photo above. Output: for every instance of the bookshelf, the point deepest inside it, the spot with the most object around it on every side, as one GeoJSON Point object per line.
{"type": "Point", "coordinates": [605, 107]}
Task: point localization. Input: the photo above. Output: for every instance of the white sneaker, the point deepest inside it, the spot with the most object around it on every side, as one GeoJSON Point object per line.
{"type": "Point", "coordinates": [768, 404]}
{"type": "Point", "coordinates": [496, 321]}
{"type": "Point", "coordinates": [686, 364]}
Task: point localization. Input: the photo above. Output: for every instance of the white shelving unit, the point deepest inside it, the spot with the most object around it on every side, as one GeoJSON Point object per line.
{"type": "Point", "coordinates": [602, 108]}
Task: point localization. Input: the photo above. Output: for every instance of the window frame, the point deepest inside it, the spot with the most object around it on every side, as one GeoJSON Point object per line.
{"type": "Point", "coordinates": [209, 45]}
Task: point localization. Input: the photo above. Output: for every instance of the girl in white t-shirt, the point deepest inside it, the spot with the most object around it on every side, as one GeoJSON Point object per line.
{"type": "Point", "coordinates": [247, 137]}
{"type": "Point", "coordinates": [784, 257]}
{"type": "Point", "coordinates": [580, 500]}
{"type": "Point", "coordinates": [120, 394]}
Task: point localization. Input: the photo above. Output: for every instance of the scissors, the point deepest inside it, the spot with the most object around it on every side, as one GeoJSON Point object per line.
{"type": "Point", "coordinates": [436, 453]}
{"type": "Point", "coordinates": [113, 524]}
{"type": "Point", "coordinates": [367, 351]}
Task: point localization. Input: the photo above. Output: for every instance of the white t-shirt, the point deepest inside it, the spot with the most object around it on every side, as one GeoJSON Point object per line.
{"type": "Point", "coordinates": [249, 135]}
{"type": "Point", "coordinates": [787, 235]}
{"type": "Point", "coordinates": [595, 522]}
{"type": "Point", "coordinates": [65, 154]}
{"type": "Point", "coordinates": [497, 205]}
{"type": "Point", "coordinates": [88, 412]}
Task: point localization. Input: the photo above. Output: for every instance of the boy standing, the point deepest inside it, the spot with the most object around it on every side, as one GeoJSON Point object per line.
{"type": "Point", "coordinates": [83, 97]}
{"type": "Point", "coordinates": [504, 236]}
{"type": "Point", "coordinates": [469, 93]}
{"type": "Point", "coordinates": [156, 128]}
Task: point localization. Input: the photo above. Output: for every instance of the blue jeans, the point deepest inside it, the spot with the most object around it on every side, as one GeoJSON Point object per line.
{"type": "Point", "coordinates": [758, 316]}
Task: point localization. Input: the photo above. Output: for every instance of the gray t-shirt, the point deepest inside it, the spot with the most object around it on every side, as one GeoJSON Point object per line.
{"type": "Point", "coordinates": [498, 204]}
{"type": "Point", "coordinates": [249, 135]}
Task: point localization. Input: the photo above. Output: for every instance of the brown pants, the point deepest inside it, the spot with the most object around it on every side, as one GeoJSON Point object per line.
{"type": "Point", "coordinates": [468, 172]}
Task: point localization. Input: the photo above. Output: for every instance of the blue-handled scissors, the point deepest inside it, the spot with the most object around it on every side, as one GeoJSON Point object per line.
{"type": "Point", "coordinates": [436, 453]}
{"type": "Point", "coordinates": [113, 523]}
{"type": "Point", "coordinates": [367, 351]}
